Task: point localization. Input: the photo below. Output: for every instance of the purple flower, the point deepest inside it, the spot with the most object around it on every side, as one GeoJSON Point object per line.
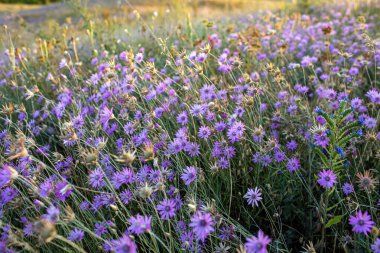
{"type": "Point", "coordinates": [370, 122]}
{"type": "Point", "coordinates": [374, 96]}
{"type": "Point", "coordinates": [7, 195]}
{"type": "Point", "coordinates": [220, 126]}
{"type": "Point", "coordinates": [279, 156]}
{"type": "Point", "coordinates": [124, 245]}
{"type": "Point", "coordinates": [202, 225]}
{"type": "Point", "coordinates": [139, 224]}
{"type": "Point", "coordinates": [96, 178]}
{"type": "Point", "coordinates": [361, 222]}
{"type": "Point", "coordinates": [167, 208]}
{"type": "Point", "coordinates": [187, 239]}
{"type": "Point", "coordinates": [126, 176]}
{"type": "Point", "coordinates": [321, 139]}
{"type": "Point", "coordinates": [192, 149]}
{"type": "Point", "coordinates": [327, 178]}
{"type": "Point", "coordinates": [353, 71]}
{"type": "Point", "coordinates": [126, 196]}
{"type": "Point", "coordinates": [204, 132]}
{"type": "Point", "coordinates": [129, 128]}
{"type": "Point", "coordinates": [376, 246]}
{"type": "Point", "coordinates": [320, 120]}
{"type": "Point", "coordinates": [76, 235]}
{"type": "Point", "coordinates": [236, 131]}
{"type": "Point", "coordinates": [293, 164]}
{"type": "Point", "coordinates": [208, 92]}
{"type": "Point", "coordinates": [227, 233]}
{"type": "Point", "coordinates": [198, 110]}
{"type": "Point", "coordinates": [257, 244]}
{"type": "Point", "coordinates": [62, 190]}
{"type": "Point", "coordinates": [201, 57]}
{"type": "Point", "coordinates": [52, 214]}
{"type": "Point", "coordinates": [105, 115]}
{"type": "Point", "coordinates": [139, 57]}
{"type": "Point", "coordinates": [253, 196]}
{"type": "Point", "coordinates": [347, 188]}
{"type": "Point", "coordinates": [292, 145]}
{"type": "Point", "coordinates": [189, 175]}
{"type": "Point", "coordinates": [100, 229]}
{"type": "Point", "coordinates": [356, 103]}
{"type": "Point", "coordinates": [182, 118]}
{"type": "Point", "coordinates": [6, 175]}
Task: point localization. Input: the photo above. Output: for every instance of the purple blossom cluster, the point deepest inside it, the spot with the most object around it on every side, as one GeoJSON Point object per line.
{"type": "Point", "coordinates": [218, 145]}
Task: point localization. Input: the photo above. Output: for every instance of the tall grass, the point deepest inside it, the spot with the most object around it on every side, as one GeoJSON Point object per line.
{"type": "Point", "coordinates": [91, 129]}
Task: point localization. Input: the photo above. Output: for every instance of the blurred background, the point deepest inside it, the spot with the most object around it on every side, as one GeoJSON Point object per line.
{"type": "Point", "coordinates": [128, 22]}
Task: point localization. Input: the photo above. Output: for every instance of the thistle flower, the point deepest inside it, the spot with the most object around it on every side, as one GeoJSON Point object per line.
{"type": "Point", "coordinates": [45, 230]}
{"type": "Point", "coordinates": [126, 158]}
{"type": "Point", "coordinates": [279, 156]}
{"type": "Point", "coordinates": [21, 150]}
{"type": "Point", "coordinates": [192, 149]}
{"type": "Point", "coordinates": [366, 181]}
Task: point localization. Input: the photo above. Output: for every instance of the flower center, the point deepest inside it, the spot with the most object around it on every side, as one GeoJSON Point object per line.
{"type": "Point", "coordinates": [126, 248]}
{"type": "Point", "coordinates": [361, 222]}
{"type": "Point", "coordinates": [202, 223]}
{"type": "Point", "coordinates": [366, 182]}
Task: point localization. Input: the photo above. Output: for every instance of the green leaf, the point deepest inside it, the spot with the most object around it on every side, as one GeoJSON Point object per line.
{"type": "Point", "coordinates": [334, 220]}
{"type": "Point", "coordinates": [343, 142]}
{"type": "Point", "coordinates": [342, 107]}
{"type": "Point", "coordinates": [322, 156]}
{"type": "Point", "coordinates": [332, 207]}
{"type": "Point", "coordinates": [328, 120]}
{"type": "Point", "coordinates": [344, 115]}
{"type": "Point", "coordinates": [342, 132]}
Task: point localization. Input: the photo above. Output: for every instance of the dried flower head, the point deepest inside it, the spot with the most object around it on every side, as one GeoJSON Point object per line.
{"type": "Point", "coordinates": [366, 180]}
{"type": "Point", "coordinates": [45, 230]}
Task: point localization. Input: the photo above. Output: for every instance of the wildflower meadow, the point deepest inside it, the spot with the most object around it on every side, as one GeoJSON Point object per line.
{"type": "Point", "coordinates": [250, 133]}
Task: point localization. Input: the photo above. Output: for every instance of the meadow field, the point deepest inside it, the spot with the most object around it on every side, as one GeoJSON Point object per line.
{"type": "Point", "coordinates": [219, 126]}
